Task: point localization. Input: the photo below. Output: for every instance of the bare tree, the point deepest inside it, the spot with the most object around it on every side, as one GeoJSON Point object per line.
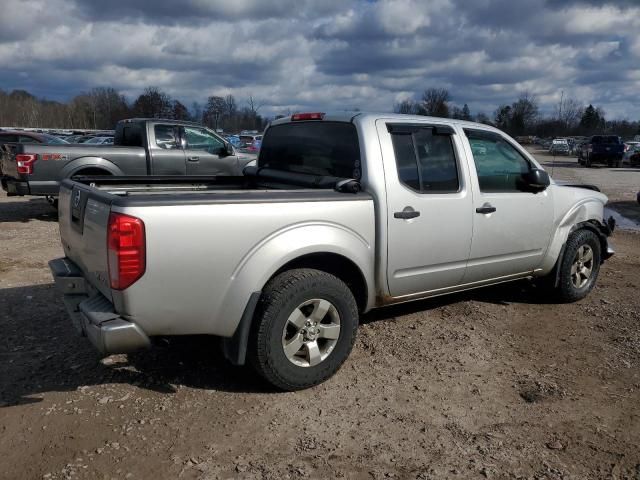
{"type": "Point", "coordinates": [407, 106]}
{"type": "Point", "coordinates": [253, 104]}
{"type": "Point", "coordinates": [569, 112]}
{"type": "Point", "coordinates": [435, 102]}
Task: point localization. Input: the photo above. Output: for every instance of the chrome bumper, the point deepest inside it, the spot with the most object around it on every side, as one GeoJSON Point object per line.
{"type": "Point", "coordinates": [93, 315]}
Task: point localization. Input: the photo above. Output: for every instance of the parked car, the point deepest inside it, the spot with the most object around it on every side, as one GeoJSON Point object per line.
{"type": "Point", "coordinates": [605, 149]}
{"type": "Point", "coordinates": [84, 138]}
{"type": "Point", "coordinates": [634, 157]}
{"type": "Point", "coordinates": [631, 149]}
{"type": "Point", "coordinates": [560, 146]}
{"type": "Point", "coordinates": [22, 137]}
{"type": "Point", "coordinates": [343, 213]}
{"type": "Point", "coordinates": [142, 147]}
{"type": "Point", "coordinates": [99, 141]}
{"type": "Point", "coordinates": [248, 141]}
{"type": "Point", "coordinates": [234, 140]}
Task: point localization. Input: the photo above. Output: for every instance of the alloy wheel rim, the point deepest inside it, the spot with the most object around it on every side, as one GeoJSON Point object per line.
{"type": "Point", "coordinates": [311, 332]}
{"type": "Point", "coordinates": [582, 266]}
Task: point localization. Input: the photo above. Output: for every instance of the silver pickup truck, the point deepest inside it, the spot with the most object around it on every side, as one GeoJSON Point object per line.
{"type": "Point", "coordinates": [343, 213]}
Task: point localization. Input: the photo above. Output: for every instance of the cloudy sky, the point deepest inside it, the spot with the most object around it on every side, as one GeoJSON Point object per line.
{"type": "Point", "coordinates": [328, 54]}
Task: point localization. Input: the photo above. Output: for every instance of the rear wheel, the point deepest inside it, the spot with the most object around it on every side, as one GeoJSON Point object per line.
{"type": "Point", "coordinates": [305, 329]}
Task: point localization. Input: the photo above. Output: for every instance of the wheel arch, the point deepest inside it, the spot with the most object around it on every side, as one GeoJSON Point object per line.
{"type": "Point", "coordinates": [337, 265]}
{"type": "Point", "coordinates": [89, 163]}
{"type": "Point", "coordinates": [335, 249]}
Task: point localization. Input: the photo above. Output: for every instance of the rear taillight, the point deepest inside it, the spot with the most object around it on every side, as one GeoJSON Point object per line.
{"type": "Point", "coordinates": [307, 116]}
{"type": "Point", "coordinates": [126, 250]}
{"type": "Point", "coordinates": [24, 162]}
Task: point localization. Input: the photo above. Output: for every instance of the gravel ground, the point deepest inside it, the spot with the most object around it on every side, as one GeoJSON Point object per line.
{"type": "Point", "coordinates": [495, 383]}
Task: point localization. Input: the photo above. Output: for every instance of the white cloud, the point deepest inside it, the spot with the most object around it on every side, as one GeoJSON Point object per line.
{"type": "Point", "coordinates": [330, 54]}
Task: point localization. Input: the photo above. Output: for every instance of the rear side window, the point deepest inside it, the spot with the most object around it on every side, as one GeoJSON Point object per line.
{"type": "Point", "coordinates": [498, 164]}
{"type": "Point", "coordinates": [426, 161]}
{"type": "Point", "coordinates": [317, 148]}
{"type": "Point", "coordinates": [166, 136]}
{"type": "Point", "coordinates": [26, 139]}
{"type": "Point", "coordinates": [132, 135]}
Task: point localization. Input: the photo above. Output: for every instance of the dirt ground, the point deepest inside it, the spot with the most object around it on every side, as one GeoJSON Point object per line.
{"type": "Point", "coordinates": [495, 383]}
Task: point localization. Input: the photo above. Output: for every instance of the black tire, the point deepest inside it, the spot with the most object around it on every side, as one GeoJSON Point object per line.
{"type": "Point", "coordinates": [566, 290]}
{"type": "Point", "coordinates": [282, 296]}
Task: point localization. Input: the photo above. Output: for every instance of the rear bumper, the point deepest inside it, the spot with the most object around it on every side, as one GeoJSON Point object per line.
{"type": "Point", "coordinates": [604, 157]}
{"type": "Point", "coordinates": [14, 187]}
{"type": "Point", "coordinates": [93, 315]}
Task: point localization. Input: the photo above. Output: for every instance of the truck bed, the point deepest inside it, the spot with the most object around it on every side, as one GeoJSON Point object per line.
{"type": "Point", "coordinates": [207, 240]}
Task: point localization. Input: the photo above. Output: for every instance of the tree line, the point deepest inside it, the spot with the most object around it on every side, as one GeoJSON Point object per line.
{"type": "Point", "coordinates": [523, 117]}
{"type": "Point", "coordinates": [101, 108]}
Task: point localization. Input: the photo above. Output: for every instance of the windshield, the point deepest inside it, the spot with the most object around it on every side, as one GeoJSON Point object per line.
{"type": "Point", "coordinates": [318, 148]}
{"type": "Point", "coordinates": [51, 139]}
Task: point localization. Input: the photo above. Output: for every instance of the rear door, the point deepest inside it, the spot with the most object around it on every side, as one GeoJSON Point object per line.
{"type": "Point", "coordinates": [429, 221]}
{"type": "Point", "coordinates": [511, 227]}
{"type": "Point", "coordinates": [203, 153]}
{"type": "Point", "coordinates": [167, 155]}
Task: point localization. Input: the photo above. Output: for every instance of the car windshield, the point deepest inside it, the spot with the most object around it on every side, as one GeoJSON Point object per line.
{"type": "Point", "coordinates": [51, 139]}
{"type": "Point", "coordinates": [318, 148]}
{"type": "Point", "coordinates": [96, 140]}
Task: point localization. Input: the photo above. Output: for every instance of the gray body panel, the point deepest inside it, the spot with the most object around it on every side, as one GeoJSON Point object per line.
{"type": "Point", "coordinates": [60, 161]}
{"type": "Point", "coordinates": [208, 252]}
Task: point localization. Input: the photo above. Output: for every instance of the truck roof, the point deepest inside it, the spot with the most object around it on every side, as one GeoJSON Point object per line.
{"type": "Point", "coordinates": [350, 116]}
{"type": "Point", "coordinates": [162, 120]}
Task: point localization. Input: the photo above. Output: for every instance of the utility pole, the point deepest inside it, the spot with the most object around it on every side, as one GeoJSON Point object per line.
{"type": "Point", "coordinates": [561, 101]}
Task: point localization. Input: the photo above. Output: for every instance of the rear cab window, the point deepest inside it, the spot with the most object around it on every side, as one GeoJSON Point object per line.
{"type": "Point", "coordinates": [314, 147]}
{"type": "Point", "coordinates": [425, 160]}
{"type": "Point", "coordinates": [605, 139]}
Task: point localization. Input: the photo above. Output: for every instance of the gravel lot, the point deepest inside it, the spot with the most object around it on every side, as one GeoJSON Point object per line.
{"type": "Point", "coordinates": [495, 383]}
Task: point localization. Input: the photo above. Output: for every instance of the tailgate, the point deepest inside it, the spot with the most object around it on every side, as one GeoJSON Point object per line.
{"type": "Point", "coordinates": [83, 215]}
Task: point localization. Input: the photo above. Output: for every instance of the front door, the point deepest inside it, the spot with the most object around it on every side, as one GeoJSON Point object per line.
{"type": "Point", "coordinates": [511, 227]}
{"type": "Point", "coordinates": [429, 205]}
{"type": "Point", "coordinates": [203, 150]}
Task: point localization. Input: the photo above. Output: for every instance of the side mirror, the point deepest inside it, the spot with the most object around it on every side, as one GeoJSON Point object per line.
{"type": "Point", "coordinates": [226, 150]}
{"type": "Point", "coordinates": [536, 180]}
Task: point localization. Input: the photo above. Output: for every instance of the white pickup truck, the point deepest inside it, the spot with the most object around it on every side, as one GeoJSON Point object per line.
{"type": "Point", "coordinates": [343, 213]}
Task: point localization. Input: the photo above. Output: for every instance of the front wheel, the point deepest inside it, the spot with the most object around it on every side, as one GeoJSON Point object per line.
{"type": "Point", "coordinates": [579, 266]}
{"type": "Point", "coordinates": [304, 330]}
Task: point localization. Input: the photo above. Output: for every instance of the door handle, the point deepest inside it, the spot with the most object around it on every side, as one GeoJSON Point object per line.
{"type": "Point", "coordinates": [406, 214]}
{"type": "Point", "coordinates": [193, 159]}
{"type": "Point", "coordinates": [486, 208]}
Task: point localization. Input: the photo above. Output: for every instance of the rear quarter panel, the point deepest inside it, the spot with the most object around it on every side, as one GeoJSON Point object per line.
{"type": "Point", "coordinates": [204, 261]}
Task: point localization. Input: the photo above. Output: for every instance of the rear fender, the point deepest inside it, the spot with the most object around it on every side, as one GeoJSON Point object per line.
{"type": "Point", "coordinates": [82, 163]}
{"type": "Point", "coordinates": [292, 242]}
